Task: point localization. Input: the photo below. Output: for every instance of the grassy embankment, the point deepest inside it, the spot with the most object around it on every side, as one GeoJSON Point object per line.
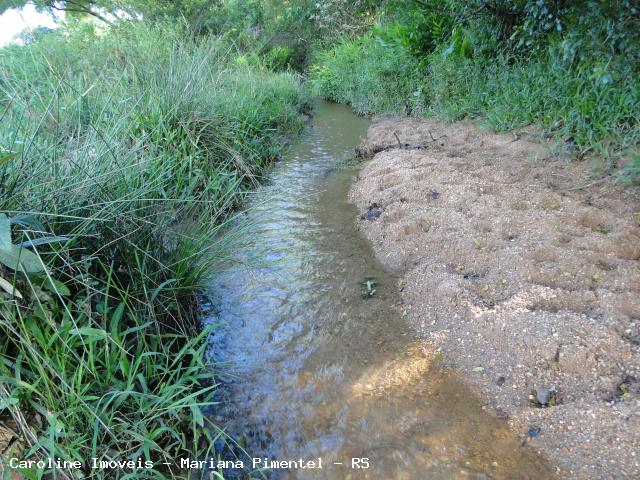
{"type": "Point", "coordinates": [572, 71]}
{"type": "Point", "coordinates": [122, 155]}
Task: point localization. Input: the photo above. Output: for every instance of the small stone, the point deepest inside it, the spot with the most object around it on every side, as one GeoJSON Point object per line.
{"type": "Point", "coordinates": [533, 432]}
{"type": "Point", "coordinates": [371, 215]}
{"type": "Point", "coordinates": [544, 395]}
{"type": "Point", "coordinates": [501, 414]}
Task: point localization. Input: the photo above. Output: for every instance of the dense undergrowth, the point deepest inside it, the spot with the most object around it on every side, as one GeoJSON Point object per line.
{"type": "Point", "coordinates": [123, 154]}
{"type": "Point", "coordinates": [370, 76]}
{"type": "Point", "coordinates": [569, 68]}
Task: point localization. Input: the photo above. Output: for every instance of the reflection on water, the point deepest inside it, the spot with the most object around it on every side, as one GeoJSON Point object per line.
{"type": "Point", "coordinates": [315, 369]}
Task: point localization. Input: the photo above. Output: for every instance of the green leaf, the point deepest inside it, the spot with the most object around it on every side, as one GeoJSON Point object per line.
{"type": "Point", "coordinates": [29, 474]}
{"type": "Point", "coordinates": [42, 241]}
{"type": "Point", "coordinates": [635, 339]}
{"type": "Point", "coordinates": [7, 157]}
{"type": "Point", "coordinates": [94, 333]}
{"type": "Point", "coordinates": [18, 258]}
{"type": "Point", "coordinates": [53, 285]}
{"type": "Point", "coordinates": [28, 221]}
{"type": "Point", "coordinates": [7, 402]}
{"type": "Point", "coordinates": [5, 232]}
{"type": "Point", "coordinates": [160, 287]}
{"type": "Point", "coordinates": [125, 365]}
{"type": "Point", "coordinates": [59, 287]}
{"type": "Point", "coordinates": [114, 327]}
{"type": "Point", "coordinates": [196, 413]}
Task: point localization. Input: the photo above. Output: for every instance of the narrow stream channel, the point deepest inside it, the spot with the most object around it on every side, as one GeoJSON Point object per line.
{"type": "Point", "coordinates": [313, 369]}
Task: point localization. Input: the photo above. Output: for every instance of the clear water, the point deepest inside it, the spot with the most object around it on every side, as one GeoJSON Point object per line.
{"type": "Point", "coordinates": [316, 370]}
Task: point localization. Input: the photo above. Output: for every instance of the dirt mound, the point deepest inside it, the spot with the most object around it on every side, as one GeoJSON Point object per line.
{"type": "Point", "coordinates": [524, 273]}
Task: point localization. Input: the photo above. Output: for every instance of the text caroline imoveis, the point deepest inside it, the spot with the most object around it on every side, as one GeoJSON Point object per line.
{"type": "Point", "coordinates": [184, 464]}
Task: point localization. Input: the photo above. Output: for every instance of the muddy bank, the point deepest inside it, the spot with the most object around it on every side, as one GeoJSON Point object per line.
{"type": "Point", "coordinates": [524, 274]}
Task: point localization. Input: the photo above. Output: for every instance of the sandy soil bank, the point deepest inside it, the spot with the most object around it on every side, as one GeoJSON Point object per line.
{"type": "Point", "coordinates": [524, 275]}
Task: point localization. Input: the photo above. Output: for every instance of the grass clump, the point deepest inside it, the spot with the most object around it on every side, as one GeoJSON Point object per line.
{"type": "Point", "coordinates": [123, 153]}
{"type": "Point", "coordinates": [581, 103]}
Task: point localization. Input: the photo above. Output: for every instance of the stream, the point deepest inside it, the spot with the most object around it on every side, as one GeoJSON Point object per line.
{"type": "Point", "coordinates": [318, 361]}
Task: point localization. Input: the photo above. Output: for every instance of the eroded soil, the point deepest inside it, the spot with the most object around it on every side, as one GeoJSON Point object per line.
{"type": "Point", "coordinates": [524, 274]}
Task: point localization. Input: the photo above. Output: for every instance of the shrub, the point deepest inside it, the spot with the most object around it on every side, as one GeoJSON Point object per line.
{"type": "Point", "coordinates": [279, 58]}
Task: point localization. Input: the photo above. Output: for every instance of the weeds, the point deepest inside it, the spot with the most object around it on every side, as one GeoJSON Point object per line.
{"type": "Point", "coordinates": [371, 76]}
{"type": "Point", "coordinates": [564, 101]}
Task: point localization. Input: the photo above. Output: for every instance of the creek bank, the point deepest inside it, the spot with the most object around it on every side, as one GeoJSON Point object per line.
{"type": "Point", "coordinates": [524, 274]}
{"type": "Point", "coordinates": [319, 361]}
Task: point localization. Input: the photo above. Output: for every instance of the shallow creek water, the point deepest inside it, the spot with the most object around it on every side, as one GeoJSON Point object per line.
{"type": "Point", "coordinates": [313, 369]}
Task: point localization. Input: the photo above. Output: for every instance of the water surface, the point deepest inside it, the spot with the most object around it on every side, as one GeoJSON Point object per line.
{"type": "Point", "coordinates": [316, 370]}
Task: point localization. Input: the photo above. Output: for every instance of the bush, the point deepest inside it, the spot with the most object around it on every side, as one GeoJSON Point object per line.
{"type": "Point", "coordinates": [280, 58]}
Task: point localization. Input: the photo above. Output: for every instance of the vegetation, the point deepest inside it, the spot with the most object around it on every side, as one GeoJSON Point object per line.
{"type": "Point", "coordinates": [370, 75]}
{"type": "Point", "coordinates": [570, 68]}
{"type": "Point", "coordinates": [127, 142]}
{"type": "Point", "coordinates": [125, 153]}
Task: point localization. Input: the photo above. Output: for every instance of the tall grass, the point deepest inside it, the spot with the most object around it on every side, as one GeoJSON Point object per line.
{"type": "Point", "coordinates": [371, 76]}
{"type": "Point", "coordinates": [592, 103]}
{"type": "Point", "coordinates": [122, 156]}
{"type": "Point", "coordinates": [595, 104]}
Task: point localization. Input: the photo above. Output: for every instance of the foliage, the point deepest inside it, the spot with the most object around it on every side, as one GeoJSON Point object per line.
{"type": "Point", "coordinates": [138, 143]}
{"type": "Point", "coordinates": [140, 139]}
{"type": "Point", "coordinates": [94, 8]}
{"type": "Point", "coordinates": [571, 68]}
{"type": "Point", "coordinates": [631, 173]}
{"type": "Point", "coordinates": [279, 58]}
{"type": "Point", "coordinates": [335, 19]}
{"type": "Point", "coordinates": [370, 75]}
{"type": "Point", "coordinates": [418, 30]}
{"type": "Point", "coordinates": [583, 103]}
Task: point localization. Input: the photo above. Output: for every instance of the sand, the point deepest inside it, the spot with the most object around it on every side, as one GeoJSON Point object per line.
{"type": "Point", "coordinates": [522, 270]}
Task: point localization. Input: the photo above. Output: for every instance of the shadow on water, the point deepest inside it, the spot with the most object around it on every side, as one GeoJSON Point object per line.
{"type": "Point", "coordinates": [316, 370]}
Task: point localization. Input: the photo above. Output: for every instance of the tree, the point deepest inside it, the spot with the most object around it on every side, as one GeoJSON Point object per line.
{"type": "Point", "coordinates": [94, 8]}
{"type": "Point", "coordinates": [196, 12]}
